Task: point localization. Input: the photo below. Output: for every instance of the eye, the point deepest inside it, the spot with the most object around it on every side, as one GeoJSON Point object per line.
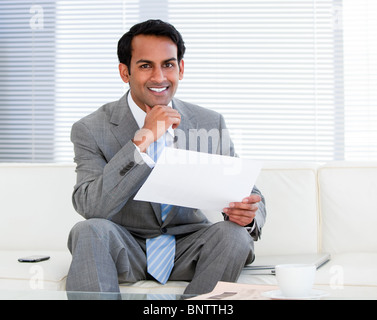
{"type": "Point", "coordinates": [169, 65]}
{"type": "Point", "coordinates": [145, 66]}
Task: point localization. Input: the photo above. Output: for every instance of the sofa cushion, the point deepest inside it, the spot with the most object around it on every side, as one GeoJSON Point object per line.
{"type": "Point", "coordinates": [36, 207]}
{"type": "Point", "coordinates": [349, 269]}
{"type": "Point", "coordinates": [348, 193]}
{"type": "Point", "coordinates": [45, 275]}
{"type": "Point", "coordinates": [291, 201]}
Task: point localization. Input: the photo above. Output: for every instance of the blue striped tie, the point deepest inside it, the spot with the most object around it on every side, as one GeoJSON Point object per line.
{"type": "Point", "coordinates": [160, 250]}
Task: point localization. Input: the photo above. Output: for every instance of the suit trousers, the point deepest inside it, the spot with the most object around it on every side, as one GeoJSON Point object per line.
{"type": "Point", "coordinates": [105, 254]}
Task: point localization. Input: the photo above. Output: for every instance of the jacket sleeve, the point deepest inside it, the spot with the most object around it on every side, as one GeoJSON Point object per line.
{"type": "Point", "coordinates": [103, 187]}
{"type": "Point", "coordinates": [260, 216]}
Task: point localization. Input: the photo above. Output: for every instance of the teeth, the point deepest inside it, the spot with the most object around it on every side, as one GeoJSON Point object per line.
{"type": "Point", "coordinates": [158, 89]}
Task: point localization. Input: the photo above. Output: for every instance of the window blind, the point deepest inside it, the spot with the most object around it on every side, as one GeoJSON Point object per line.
{"type": "Point", "coordinates": [359, 26]}
{"type": "Point", "coordinates": [86, 61]}
{"type": "Point", "coordinates": [27, 59]}
{"type": "Point", "coordinates": [273, 68]}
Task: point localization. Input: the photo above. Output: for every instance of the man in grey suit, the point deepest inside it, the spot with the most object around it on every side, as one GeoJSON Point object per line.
{"type": "Point", "coordinates": [112, 151]}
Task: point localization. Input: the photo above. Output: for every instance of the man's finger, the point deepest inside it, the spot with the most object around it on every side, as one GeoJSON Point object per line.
{"type": "Point", "coordinates": [147, 108]}
{"type": "Point", "coordinates": [252, 199]}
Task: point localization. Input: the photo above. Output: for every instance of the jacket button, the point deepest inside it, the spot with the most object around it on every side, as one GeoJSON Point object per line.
{"type": "Point", "coordinates": [126, 168]}
{"type": "Point", "coordinates": [130, 165]}
{"type": "Point", "coordinates": [164, 230]}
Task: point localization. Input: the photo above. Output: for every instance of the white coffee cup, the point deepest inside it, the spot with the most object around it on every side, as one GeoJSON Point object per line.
{"type": "Point", "coordinates": [295, 280]}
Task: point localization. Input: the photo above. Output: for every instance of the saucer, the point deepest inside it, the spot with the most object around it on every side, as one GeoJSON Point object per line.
{"type": "Point", "coordinates": [277, 294]}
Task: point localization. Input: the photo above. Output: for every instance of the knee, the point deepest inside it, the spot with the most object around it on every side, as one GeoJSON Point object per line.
{"type": "Point", "coordinates": [234, 237]}
{"type": "Point", "coordinates": [230, 232]}
{"type": "Point", "coordinates": [88, 229]}
{"type": "Point", "coordinates": [88, 226]}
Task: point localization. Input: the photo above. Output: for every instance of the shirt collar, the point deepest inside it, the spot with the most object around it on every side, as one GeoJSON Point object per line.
{"type": "Point", "coordinates": [139, 114]}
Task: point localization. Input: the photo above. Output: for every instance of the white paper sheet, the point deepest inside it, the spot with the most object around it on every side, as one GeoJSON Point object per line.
{"type": "Point", "coordinates": [199, 180]}
{"type": "Point", "coordinates": [236, 291]}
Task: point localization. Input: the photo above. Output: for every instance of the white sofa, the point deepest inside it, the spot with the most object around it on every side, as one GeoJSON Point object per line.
{"type": "Point", "coordinates": [311, 208]}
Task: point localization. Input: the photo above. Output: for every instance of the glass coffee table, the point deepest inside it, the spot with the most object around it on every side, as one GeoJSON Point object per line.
{"type": "Point", "coordinates": [333, 293]}
{"type": "Point", "coordinates": [64, 295]}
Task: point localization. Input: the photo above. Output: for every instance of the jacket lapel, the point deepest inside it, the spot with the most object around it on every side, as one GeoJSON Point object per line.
{"type": "Point", "coordinates": [124, 123]}
{"type": "Point", "coordinates": [181, 134]}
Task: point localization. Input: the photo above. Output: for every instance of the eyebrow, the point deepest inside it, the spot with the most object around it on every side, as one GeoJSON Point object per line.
{"type": "Point", "coordinates": [151, 62]}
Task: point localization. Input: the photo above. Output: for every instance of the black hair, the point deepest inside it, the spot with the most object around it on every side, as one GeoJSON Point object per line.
{"type": "Point", "coordinates": [150, 27]}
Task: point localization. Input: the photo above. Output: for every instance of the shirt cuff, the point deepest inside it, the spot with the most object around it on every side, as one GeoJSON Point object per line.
{"type": "Point", "coordinates": [251, 227]}
{"type": "Point", "coordinates": [146, 158]}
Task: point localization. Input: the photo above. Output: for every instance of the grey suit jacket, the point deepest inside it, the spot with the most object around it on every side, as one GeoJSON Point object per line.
{"type": "Point", "coordinates": [110, 170]}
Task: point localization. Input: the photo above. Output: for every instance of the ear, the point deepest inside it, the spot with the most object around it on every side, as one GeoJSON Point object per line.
{"type": "Point", "coordinates": [123, 72]}
{"type": "Point", "coordinates": [181, 69]}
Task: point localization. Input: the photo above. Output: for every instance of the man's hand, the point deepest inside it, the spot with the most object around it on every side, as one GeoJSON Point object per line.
{"type": "Point", "coordinates": [160, 118]}
{"type": "Point", "coordinates": [243, 213]}
{"type": "Point", "coordinates": [156, 123]}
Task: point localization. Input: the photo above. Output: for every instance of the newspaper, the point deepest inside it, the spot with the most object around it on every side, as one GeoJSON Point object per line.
{"type": "Point", "coordinates": [236, 291]}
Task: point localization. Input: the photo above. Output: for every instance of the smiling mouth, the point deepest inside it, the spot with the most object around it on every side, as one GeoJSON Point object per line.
{"type": "Point", "coordinates": [158, 90]}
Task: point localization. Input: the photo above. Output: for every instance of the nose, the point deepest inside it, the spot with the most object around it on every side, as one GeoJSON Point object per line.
{"type": "Point", "coordinates": [158, 75]}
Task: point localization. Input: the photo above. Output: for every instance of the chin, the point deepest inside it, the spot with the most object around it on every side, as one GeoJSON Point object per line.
{"type": "Point", "coordinates": [156, 102]}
